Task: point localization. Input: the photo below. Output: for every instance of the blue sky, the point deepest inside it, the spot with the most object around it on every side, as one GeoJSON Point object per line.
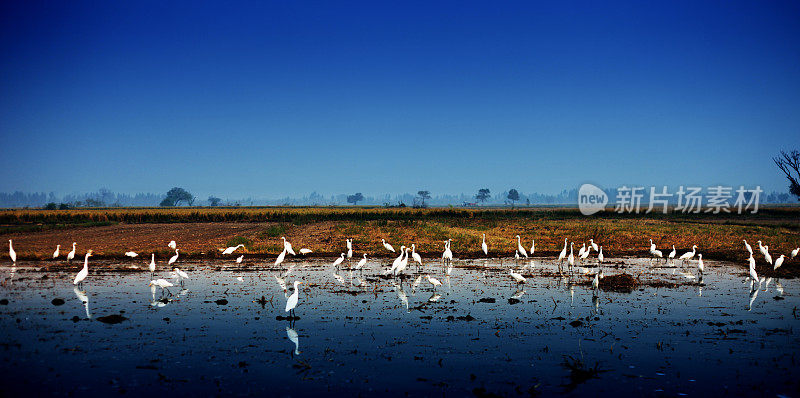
{"type": "Point", "coordinates": [284, 98]}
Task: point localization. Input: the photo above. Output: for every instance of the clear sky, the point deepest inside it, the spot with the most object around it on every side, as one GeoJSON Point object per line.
{"type": "Point", "coordinates": [284, 98]}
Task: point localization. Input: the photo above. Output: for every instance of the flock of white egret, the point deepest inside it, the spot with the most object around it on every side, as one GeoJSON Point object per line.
{"type": "Point", "coordinates": [400, 263]}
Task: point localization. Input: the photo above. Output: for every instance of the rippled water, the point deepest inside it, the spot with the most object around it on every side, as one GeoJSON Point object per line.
{"type": "Point", "coordinates": [356, 332]}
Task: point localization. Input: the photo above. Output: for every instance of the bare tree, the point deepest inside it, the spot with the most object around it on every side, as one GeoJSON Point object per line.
{"type": "Point", "coordinates": [789, 162]}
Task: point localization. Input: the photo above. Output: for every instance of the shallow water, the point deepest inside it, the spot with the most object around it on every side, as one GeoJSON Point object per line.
{"type": "Point", "coordinates": [362, 333]}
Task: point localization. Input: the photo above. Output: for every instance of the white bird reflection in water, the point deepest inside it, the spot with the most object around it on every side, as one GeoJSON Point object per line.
{"type": "Point", "coordinates": [294, 338]}
{"type": "Point", "coordinates": [434, 298]}
{"type": "Point", "coordinates": [338, 278]}
{"type": "Point", "coordinates": [415, 284]}
{"type": "Point", "coordinates": [753, 295]}
{"type": "Point", "coordinates": [401, 294]}
{"type": "Point", "coordinates": [84, 299]}
{"type": "Point", "coordinates": [519, 293]}
{"type": "Point", "coordinates": [778, 287]}
{"type": "Point", "coordinates": [595, 304]}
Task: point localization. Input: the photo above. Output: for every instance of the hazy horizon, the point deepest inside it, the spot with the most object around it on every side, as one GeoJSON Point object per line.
{"type": "Point", "coordinates": [269, 99]}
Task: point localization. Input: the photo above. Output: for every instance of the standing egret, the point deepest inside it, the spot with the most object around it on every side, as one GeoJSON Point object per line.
{"type": "Point", "coordinates": [484, 247]}
{"type": "Point", "coordinates": [291, 302]}
{"type": "Point", "coordinates": [152, 265]}
{"type": "Point", "coordinates": [652, 245]}
{"type": "Point", "coordinates": [672, 254]}
{"type": "Point", "coordinates": [163, 284]}
{"type": "Point", "coordinates": [84, 272]}
{"type": "Point", "coordinates": [594, 245]}
{"type": "Point", "coordinates": [582, 250]}
{"type": "Point", "coordinates": [304, 251]}
{"type": "Point", "coordinates": [11, 252]}
{"type": "Point", "coordinates": [747, 247]}
{"type": "Point", "coordinates": [586, 253]}
{"type": "Point", "coordinates": [362, 262]}
{"type": "Point", "coordinates": [71, 254]}
{"type": "Point", "coordinates": [414, 255]}
{"type": "Point", "coordinates": [563, 254]}
{"type": "Point", "coordinates": [571, 258]}
{"type": "Point", "coordinates": [794, 252]}
{"type": "Point", "coordinates": [657, 254]}
{"type": "Point", "coordinates": [239, 259]}
{"type": "Point", "coordinates": [533, 246]}
{"type": "Point", "coordinates": [762, 249]}
{"type": "Point", "coordinates": [600, 257]}
{"type": "Point", "coordinates": [517, 277]}
{"type": "Point", "coordinates": [338, 261]}
{"type": "Point", "coordinates": [778, 262]}
{"type": "Point", "coordinates": [55, 253]}
{"type": "Point", "coordinates": [700, 266]}
{"type": "Point", "coordinates": [172, 245]}
{"type": "Point", "coordinates": [521, 249]}
{"type": "Point", "coordinates": [281, 256]}
{"type": "Point", "coordinates": [448, 254]}
{"type": "Point", "coordinates": [767, 256]}
{"type": "Point", "coordinates": [173, 259]}
{"type": "Point", "coordinates": [433, 281]}
{"type": "Point", "coordinates": [287, 246]}
{"type": "Point", "coordinates": [349, 249]}
{"type": "Point", "coordinates": [688, 255]}
{"type": "Point", "coordinates": [180, 275]}
{"type": "Point", "coordinates": [387, 246]}
{"type": "Point", "coordinates": [231, 249]}
{"type": "Point", "coordinates": [131, 254]}
{"type": "Point", "coordinates": [403, 263]}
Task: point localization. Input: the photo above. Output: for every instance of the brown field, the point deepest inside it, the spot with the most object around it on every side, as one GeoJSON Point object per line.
{"type": "Point", "coordinates": [200, 232]}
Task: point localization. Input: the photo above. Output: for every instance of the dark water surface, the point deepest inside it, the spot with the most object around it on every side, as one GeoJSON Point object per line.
{"type": "Point", "coordinates": [359, 333]}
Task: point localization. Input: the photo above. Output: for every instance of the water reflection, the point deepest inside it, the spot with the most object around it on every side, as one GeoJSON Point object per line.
{"type": "Point", "coordinates": [84, 299]}
{"type": "Point", "coordinates": [294, 338]}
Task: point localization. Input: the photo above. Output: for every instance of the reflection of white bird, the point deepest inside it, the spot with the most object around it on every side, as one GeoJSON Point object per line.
{"type": "Point", "coordinates": [239, 259]}
{"type": "Point", "coordinates": [84, 299]}
{"type": "Point", "coordinates": [521, 249]}
{"type": "Point", "coordinates": [414, 255]}
{"type": "Point", "coordinates": [338, 278]}
{"type": "Point", "coordinates": [747, 247]}
{"type": "Point", "coordinates": [484, 247]}
{"type": "Point", "coordinates": [84, 272]}
{"type": "Point", "coordinates": [281, 256]}
{"type": "Point", "coordinates": [387, 246]}
{"type": "Point", "coordinates": [291, 302]}
{"type": "Point", "coordinates": [600, 257]}
{"type": "Point", "coordinates": [688, 255]}
{"type": "Point", "coordinates": [778, 262]}
{"type": "Point", "coordinates": [292, 335]}
{"type": "Point", "coordinates": [794, 252]}
{"type": "Point", "coordinates": [433, 281]}
{"type": "Point", "coordinates": [131, 254]}
{"type": "Point", "coordinates": [172, 245]}
{"type": "Point", "coordinates": [71, 254]}
{"type": "Point", "coordinates": [753, 274]}
{"type": "Point", "coordinates": [287, 246]}
{"type": "Point", "coordinates": [304, 251]}
{"type": "Point", "coordinates": [362, 262]}
{"type": "Point", "coordinates": [55, 253]}
{"type": "Point", "coordinates": [281, 283]}
{"type": "Point", "coordinates": [416, 283]}
{"type": "Point", "coordinates": [401, 294]}
{"type": "Point", "coordinates": [152, 265]}
{"type": "Point", "coordinates": [173, 259]}
{"type": "Point", "coordinates": [594, 245]}
{"type": "Point", "coordinates": [11, 252]}
{"type": "Point", "coordinates": [517, 277]}
{"type": "Point", "coordinates": [338, 261]}
{"type": "Point", "coordinates": [753, 295]}
{"type": "Point", "coordinates": [231, 249]}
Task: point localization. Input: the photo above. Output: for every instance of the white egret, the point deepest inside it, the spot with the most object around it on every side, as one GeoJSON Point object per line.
{"type": "Point", "coordinates": [181, 275]}
{"type": "Point", "coordinates": [291, 302]}
{"type": "Point", "coordinates": [433, 281]}
{"type": "Point", "coordinates": [517, 277]}
{"type": "Point", "coordinates": [281, 256]}
{"type": "Point", "coordinates": [362, 262]}
{"type": "Point", "coordinates": [414, 255]}
{"type": "Point", "coordinates": [84, 272]}
{"type": "Point", "coordinates": [231, 249]}
{"type": "Point", "coordinates": [794, 252]}
{"type": "Point", "coordinates": [396, 262]}
{"type": "Point", "coordinates": [403, 263]}
{"type": "Point", "coordinates": [11, 252]}
{"type": "Point", "coordinates": [767, 256]}
{"type": "Point", "coordinates": [594, 245]}
{"type": "Point", "coordinates": [652, 245]}
{"type": "Point", "coordinates": [287, 246]}
{"type": "Point", "coordinates": [484, 247]}
{"type": "Point", "coordinates": [657, 254]}
{"type": "Point", "coordinates": [700, 266]}
{"type": "Point", "coordinates": [55, 253]}
{"type": "Point", "coordinates": [304, 251]}
{"type": "Point", "coordinates": [349, 249]}
{"type": "Point", "coordinates": [448, 254]}
{"type": "Point", "coordinates": [586, 253]}
{"type": "Point", "coordinates": [761, 248]}
{"type": "Point", "coordinates": [600, 257]}
{"type": "Point", "coordinates": [563, 254]}
{"type": "Point", "coordinates": [521, 249]}
{"type": "Point", "coordinates": [387, 246]}
{"type": "Point", "coordinates": [778, 262]}
{"type": "Point", "coordinates": [571, 258]}
{"type": "Point", "coordinates": [688, 255]}
{"type": "Point", "coordinates": [533, 246]}
{"type": "Point", "coordinates": [173, 259]}
{"type": "Point", "coordinates": [672, 253]}
{"type": "Point", "coordinates": [747, 247]}
{"type": "Point", "coordinates": [239, 259]}
{"type": "Point", "coordinates": [163, 284]}
{"type": "Point", "coordinates": [152, 264]}
{"type": "Point", "coordinates": [338, 261]}
{"type": "Point", "coordinates": [753, 274]}
{"type": "Point", "coordinates": [131, 254]}
{"type": "Point", "coordinates": [172, 245]}
{"type": "Point", "coordinates": [71, 254]}
{"type": "Point", "coordinates": [582, 250]}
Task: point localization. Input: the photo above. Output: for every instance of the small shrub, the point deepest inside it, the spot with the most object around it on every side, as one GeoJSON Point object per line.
{"type": "Point", "coordinates": [275, 231]}
{"type": "Point", "coordinates": [240, 240]}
